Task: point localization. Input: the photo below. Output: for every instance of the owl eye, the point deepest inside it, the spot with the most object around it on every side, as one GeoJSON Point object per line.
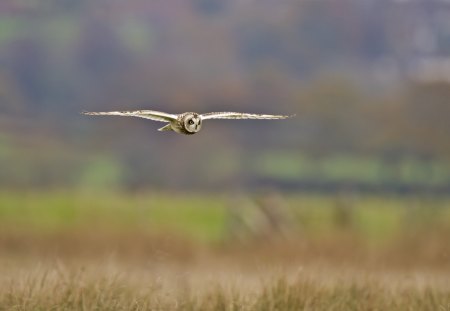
{"type": "Point", "coordinates": [191, 122]}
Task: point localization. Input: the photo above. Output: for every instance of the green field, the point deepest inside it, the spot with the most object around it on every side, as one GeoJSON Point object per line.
{"type": "Point", "coordinates": [182, 251]}
{"type": "Point", "coordinates": [205, 217]}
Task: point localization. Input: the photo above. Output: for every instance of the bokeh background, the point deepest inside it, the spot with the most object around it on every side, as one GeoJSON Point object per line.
{"type": "Point", "coordinates": [355, 187]}
{"type": "Point", "coordinates": [368, 81]}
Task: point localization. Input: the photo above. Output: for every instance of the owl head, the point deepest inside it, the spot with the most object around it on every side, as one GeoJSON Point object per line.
{"type": "Point", "coordinates": [192, 122]}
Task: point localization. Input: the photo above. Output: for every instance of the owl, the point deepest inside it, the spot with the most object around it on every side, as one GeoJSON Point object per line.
{"type": "Point", "coordinates": [187, 123]}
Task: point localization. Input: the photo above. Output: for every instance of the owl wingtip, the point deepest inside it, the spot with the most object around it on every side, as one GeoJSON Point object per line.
{"type": "Point", "coordinates": [88, 113]}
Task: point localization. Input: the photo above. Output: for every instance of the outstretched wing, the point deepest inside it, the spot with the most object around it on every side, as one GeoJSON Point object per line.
{"type": "Point", "coordinates": [238, 115]}
{"type": "Point", "coordinates": [146, 114]}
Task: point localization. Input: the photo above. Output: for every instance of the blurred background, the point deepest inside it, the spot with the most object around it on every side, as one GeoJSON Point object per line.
{"type": "Point", "coordinates": [368, 80]}
{"type": "Point", "coordinates": [361, 176]}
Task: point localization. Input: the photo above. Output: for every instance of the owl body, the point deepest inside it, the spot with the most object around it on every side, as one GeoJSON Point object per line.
{"type": "Point", "coordinates": [187, 123]}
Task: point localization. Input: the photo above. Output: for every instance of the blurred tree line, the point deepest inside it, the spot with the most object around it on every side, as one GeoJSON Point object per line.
{"type": "Point", "coordinates": [347, 69]}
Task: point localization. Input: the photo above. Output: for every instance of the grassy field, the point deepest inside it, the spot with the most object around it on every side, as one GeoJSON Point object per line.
{"type": "Point", "coordinates": [113, 286]}
{"type": "Point", "coordinates": [179, 251]}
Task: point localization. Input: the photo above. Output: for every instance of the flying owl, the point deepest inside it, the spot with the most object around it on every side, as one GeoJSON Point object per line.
{"type": "Point", "coordinates": [187, 123]}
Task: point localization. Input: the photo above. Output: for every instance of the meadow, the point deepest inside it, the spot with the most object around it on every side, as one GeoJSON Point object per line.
{"type": "Point", "coordinates": [62, 250]}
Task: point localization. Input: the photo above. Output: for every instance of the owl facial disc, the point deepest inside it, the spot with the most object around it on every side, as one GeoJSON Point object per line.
{"type": "Point", "coordinates": [192, 122]}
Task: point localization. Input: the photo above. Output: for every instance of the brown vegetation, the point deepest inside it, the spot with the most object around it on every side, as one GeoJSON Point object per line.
{"type": "Point", "coordinates": [59, 251]}
{"type": "Point", "coordinates": [115, 285]}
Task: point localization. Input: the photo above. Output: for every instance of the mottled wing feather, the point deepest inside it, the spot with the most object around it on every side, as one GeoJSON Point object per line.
{"type": "Point", "coordinates": [238, 115]}
{"type": "Point", "coordinates": [146, 114]}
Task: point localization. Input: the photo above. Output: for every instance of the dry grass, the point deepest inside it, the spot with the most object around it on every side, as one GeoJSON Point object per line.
{"type": "Point", "coordinates": [114, 285]}
{"type": "Point", "coordinates": [53, 256]}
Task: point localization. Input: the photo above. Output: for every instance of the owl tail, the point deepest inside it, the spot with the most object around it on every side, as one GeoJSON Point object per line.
{"type": "Point", "coordinates": [167, 127]}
